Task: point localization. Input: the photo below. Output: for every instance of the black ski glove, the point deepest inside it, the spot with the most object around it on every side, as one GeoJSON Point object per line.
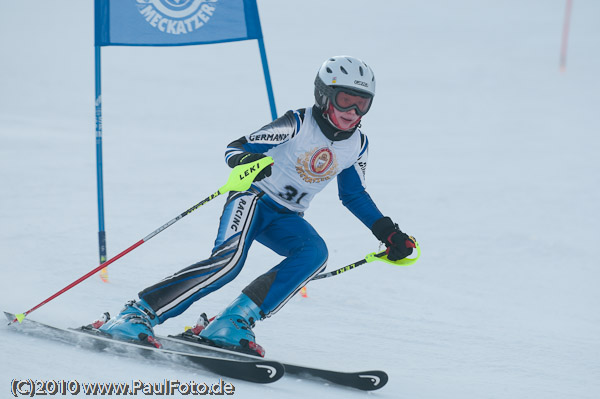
{"type": "Point", "coordinates": [249, 157]}
{"type": "Point", "coordinates": [399, 245]}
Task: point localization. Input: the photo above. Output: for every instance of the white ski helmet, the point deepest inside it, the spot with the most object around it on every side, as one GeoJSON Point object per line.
{"type": "Point", "coordinates": [347, 74]}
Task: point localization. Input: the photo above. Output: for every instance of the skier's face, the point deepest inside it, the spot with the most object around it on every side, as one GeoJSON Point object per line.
{"type": "Point", "coordinates": [343, 120]}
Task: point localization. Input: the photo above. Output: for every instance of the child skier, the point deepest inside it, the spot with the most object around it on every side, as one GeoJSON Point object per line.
{"type": "Point", "coordinates": [310, 147]}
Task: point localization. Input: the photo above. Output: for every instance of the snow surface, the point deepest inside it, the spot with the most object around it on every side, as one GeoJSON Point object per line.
{"type": "Point", "coordinates": [479, 147]}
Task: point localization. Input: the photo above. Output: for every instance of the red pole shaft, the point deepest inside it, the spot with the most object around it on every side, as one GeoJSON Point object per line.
{"type": "Point", "coordinates": [125, 252]}
{"type": "Point", "coordinates": [565, 36]}
{"type": "Point", "coordinates": [84, 277]}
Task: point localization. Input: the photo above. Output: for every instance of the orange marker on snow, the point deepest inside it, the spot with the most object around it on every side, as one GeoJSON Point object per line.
{"type": "Point", "coordinates": [104, 275]}
{"type": "Point", "coordinates": [303, 292]}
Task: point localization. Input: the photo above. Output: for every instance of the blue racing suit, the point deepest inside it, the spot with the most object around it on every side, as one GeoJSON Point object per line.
{"type": "Point", "coordinates": [308, 153]}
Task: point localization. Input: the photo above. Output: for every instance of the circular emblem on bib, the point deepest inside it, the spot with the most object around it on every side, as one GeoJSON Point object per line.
{"type": "Point", "coordinates": [177, 17]}
{"type": "Point", "coordinates": [317, 165]}
{"type": "Point", "coordinates": [321, 161]}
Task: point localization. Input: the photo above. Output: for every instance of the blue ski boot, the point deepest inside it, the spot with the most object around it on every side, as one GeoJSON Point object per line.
{"type": "Point", "coordinates": [232, 329]}
{"type": "Point", "coordinates": [134, 323]}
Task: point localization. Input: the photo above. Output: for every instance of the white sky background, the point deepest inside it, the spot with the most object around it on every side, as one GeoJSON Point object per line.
{"type": "Point", "coordinates": [479, 147]}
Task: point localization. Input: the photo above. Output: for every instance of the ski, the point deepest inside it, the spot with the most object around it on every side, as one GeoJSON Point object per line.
{"type": "Point", "coordinates": [364, 380]}
{"type": "Point", "coordinates": [186, 347]}
{"type": "Point", "coordinates": [253, 370]}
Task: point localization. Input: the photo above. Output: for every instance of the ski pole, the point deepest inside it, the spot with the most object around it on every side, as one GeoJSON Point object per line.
{"type": "Point", "coordinates": [382, 256]}
{"type": "Point", "coordinates": [240, 179]}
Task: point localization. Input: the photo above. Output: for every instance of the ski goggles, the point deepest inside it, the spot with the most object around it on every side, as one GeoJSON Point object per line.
{"type": "Point", "coordinates": [345, 100]}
